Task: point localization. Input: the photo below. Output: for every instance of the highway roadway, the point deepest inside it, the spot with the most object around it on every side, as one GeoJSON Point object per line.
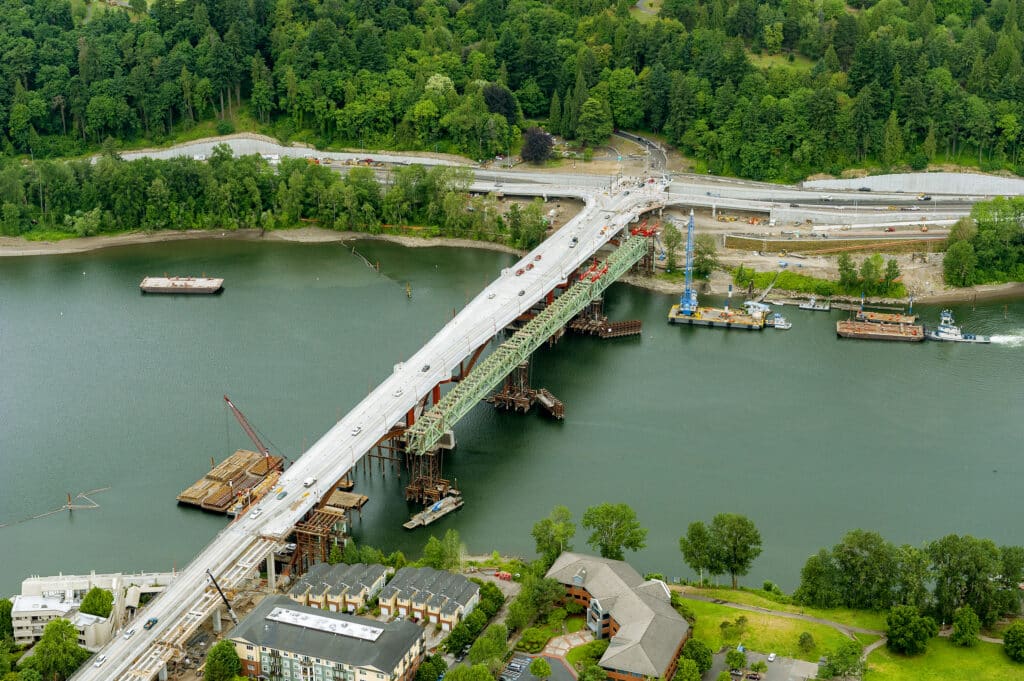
{"type": "Point", "coordinates": [235, 555]}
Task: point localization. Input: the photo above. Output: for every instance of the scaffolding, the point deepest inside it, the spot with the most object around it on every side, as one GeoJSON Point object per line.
{"type": "Point", "coordinates": [516, 394]}
{"type": "Point", "coordinates": [317, 535]}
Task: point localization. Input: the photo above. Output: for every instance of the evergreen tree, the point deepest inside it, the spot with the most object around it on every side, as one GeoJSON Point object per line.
{"type": "Point", "coordinates": [555, 115]}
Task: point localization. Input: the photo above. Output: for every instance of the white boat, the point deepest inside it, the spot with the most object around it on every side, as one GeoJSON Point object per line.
{"type": "Point", "coordinates": [813, 304]}
{"type": "Point", "coordinates": [753, 306]}
{"type": "Point", "coordinates": [780, 323]}
{"type": "Point", "coordinates": [947, 330]}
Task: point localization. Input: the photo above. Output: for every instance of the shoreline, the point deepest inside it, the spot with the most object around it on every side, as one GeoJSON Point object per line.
{"type": "Point", "coordinates": [19, 247]}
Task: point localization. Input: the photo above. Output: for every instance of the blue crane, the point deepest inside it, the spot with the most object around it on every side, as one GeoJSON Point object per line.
{"type": "Point", "coordinates": [688, 301]}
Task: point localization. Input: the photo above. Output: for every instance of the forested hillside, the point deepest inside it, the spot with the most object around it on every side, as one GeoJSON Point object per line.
{"type": "Point", "coordinates": [769, 90]}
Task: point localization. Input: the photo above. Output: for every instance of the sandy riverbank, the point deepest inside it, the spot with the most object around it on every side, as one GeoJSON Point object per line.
{"type": "Point", "coordinates": [15, 246]}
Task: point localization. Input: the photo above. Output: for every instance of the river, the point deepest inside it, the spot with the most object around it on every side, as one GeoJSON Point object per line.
{"type": "Point", "coordinates": [806, 434]}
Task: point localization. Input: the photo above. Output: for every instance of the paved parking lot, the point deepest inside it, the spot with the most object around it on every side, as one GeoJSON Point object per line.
{"type": "Point", "coordinates": [559, 670]}
{"type": "Point", "coordinates": [782, 669]}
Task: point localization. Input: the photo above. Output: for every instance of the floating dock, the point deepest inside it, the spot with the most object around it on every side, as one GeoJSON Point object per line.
{"type": "Point", "coordinates": [911, 333]}
{"type": "Point", "coordinates": [434, 512]}
{"type": "Point", "coordinates": [239, 478]}
{"type": "Point", "coordinates": [194, 285]}
{"type": "Point", "coordinates": [714, 316]}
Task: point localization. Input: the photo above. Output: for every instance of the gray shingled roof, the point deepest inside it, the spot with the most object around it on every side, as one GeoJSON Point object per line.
{"type": "Point", "coordinates": [336, 579]}
{"type": "Point", "coordinates": [650, 629]}
{"type": "Point", "coordinates": [437, 588]}
{"type": "Point", "coordinates": [384, 654]}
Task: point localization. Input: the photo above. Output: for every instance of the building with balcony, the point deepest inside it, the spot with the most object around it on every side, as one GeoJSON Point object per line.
{"type": "Point", "coordinates": [31, 614]}
{"type": "Point", "coordinates": [645, 634]}
{"type": "Point", "coordinates": [284, 641]}
{"type": "Point", "coordinates": [429, 595]}
{"type": "Point", "coordinates": [339, 588]}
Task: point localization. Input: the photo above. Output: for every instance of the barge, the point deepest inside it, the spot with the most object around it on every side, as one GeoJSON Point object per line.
{"type": "Point", "coordinates": [435, 511]}
{"type": "Point", "coordinates": [885, 317]}
{"type": "Point", "coordinates": [714, 316]}
{"type": "Point", "coordinates": [880, 331]}
{"type": "Point", "coordinates": [195, 285]}
{"type": "Point", "coordinates": [235, 483]}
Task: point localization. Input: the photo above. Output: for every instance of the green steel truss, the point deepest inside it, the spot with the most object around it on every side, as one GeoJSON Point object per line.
{"type": "Point", "coordinates": [486, 376]}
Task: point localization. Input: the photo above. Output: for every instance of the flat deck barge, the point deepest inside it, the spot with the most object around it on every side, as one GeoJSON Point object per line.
{"type": "Point", "coordinates": [181, 285]}
{"type": "Point", "coordinates": [243, 476]}
{"type": "Point", "coordinates": [714, 316]}
{"type": "Point", "coordinates": [885, 317]}
{"type": "Point", "coordinates": [911, 333]}
{"type": "Point", "coordinates": [435, 511]}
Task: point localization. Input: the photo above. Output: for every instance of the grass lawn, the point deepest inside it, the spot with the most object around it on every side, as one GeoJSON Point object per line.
{"type": "Point", "coordinates": [648, 13]}
{"type": "Point", "coordinates": [855, 618]}
{"type": "Point", "coordinates": [763, 633]}
{"type": "Point", "coordinates": [574, 624]}
{"type": "Point", "coordinates": [576, 654]}
{"type": "Point", "coordinates": [945, 662]}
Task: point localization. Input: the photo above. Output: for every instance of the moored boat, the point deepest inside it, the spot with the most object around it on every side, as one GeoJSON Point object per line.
{"type": "Point", "coordinates": [947, 330]}
{"type": "Point", "coordinates": [779, 322]}
{"type": "Point", "coordinates": [813, 304]}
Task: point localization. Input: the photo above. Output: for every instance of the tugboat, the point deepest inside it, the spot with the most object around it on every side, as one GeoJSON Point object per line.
{"type": "Point", "coordinates": [813, 304]}
{"type": "Point", "coordinates": [780, 323]}
{"type": "Point", "coordinates": [947, 330]}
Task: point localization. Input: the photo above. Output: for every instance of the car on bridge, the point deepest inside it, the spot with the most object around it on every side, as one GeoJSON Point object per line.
{"type": "Point", "coordinates": [283, 494]}
{"type": "Point", "coordinates": [150, 623]}
{"type": "Point", "coordinates": [99, 661]}
{"type": "Point", "coordinates": [256, 513]}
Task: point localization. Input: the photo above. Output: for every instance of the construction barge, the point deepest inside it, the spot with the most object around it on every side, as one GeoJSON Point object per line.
{"type": "Point", "coordinates": [435, 511]}
{"type": "Point", "coordinates": [911, 333]}
{"type": "Point", "coordinates": [229, 487]}
{"type": "Point", "coordinates": [884, 317]}
{"type": "Point", "coordinates": [193, 285]}
{"type": "Point", "coordinates": [720, 317]}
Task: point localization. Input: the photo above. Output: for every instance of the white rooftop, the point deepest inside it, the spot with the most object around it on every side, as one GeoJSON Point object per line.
{"type": "Point", "coordinates": [320, 623]}
{"type": "Point", "coordinates": [34, 603]}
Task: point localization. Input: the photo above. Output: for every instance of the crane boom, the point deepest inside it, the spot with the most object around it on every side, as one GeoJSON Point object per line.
{"type": "Point", "coordinates": [247, 428]}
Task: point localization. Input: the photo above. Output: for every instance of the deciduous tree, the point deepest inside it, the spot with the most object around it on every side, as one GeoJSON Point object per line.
{"type": "Point", "coordinates": [700, 653]}
{"type": "Point", "coordinates": [614, 527]}
{"type": "Point", "coordinates": [97, 602]}
{"type": "Point", "coordinates": [966, 627]}
{"type": "Point", "coordinates": [908, 630]}
{"type": "Point", "coordinates": [737, 543]}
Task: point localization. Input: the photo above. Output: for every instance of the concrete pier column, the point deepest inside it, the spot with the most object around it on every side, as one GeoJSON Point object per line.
{"type": "Point", "coordinates": [162, 674]}
{"type": "Point", "coordinates": [215, 619]}
{"type": "Point", "coordinates": [271, 573]}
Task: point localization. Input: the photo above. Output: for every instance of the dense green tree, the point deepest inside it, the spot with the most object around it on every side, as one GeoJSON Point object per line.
{"type": "Point", "coordinates": [222, 663]}
{"type": "Point", "coordinates": [445, 553]}
{"type": "Point", "coordinates": [431, 667]}
{"type": "Point", "coordinates": [458, 638]}
{"type": "Point", "coordinates": [97, 602]}
{"type": "Point", "coordinates": [699, 550]}
{"type": "Point", "coordinates": [735, 659]}
{"type": "Point", "coordinates": [686, 670]}
{"type": "Point", "coordinates": [737, 543]}
{"type": "Point", "coordinates": [491, 645]}
{"type": "Point", "coordinates": [705, 255]}
{"type": "Point", "coordinates": [593, 673]}
{"type": "Point", "coordinates": [57, 654]}
{"type": "Point", "coordinates": [594, 123]}
{"type": "Point", "coordinates": [6, 626]}
{"type": "Point", "coordinates": [908, 631]}
{"type": "Point", "coordinates": [477, 672]}
{"type": "Point", "coordinates": [966, 627]}
{"type": "Point", "coordinates": [963, 571]}
{"type": "Point", "coordinates": [614, 528]}
{"type": "Point", "coordinates": [671, 237]}
{"type": "Point", "coordinates": [540, 668]}
{"type": "Point", "coordinates": [806, 641]}
{"type": "Point", "coordinates": [842, 661]}
{"type": "Point", "coordinates": [553, 535]}
{"type": "Point", "coordinates": [1013, 641]}
{"type": "Point", "coordinates": [700, 653]}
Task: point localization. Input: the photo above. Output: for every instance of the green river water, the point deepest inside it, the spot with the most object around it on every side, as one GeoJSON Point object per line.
{"type": "Point", "coordinates": [808, 435]}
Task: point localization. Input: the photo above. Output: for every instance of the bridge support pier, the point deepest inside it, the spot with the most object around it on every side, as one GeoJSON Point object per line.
{"type": "Point", "coordinates": [162, 674]}
{"type": "Point", "coordinates": [271, 573]}
{"type": "Point", "coordinates": [215, 620]}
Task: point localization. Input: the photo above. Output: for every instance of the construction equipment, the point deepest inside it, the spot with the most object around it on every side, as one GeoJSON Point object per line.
{"type": "Point", "coordinates": [688, 301]}
{"type": "Point", "coordinates": [260, 447]}
{"type": "Point", "coordinates": [213, 580]}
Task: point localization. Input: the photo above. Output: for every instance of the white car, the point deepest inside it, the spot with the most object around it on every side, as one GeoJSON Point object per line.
{"type": "Point", "coordinates": [357, 430]}
{"type": "Point", "coordinates": [128, 634]}
{"type": "Point", "coordinates": [99, 661]}
{"type": "Point", "coordinates": [771, 657]}
{"type": "Point", "coordinates": [254, 515]}
{"type": "Point", "coordinates": [490, 296]}
{"type": "Point", "coordinates": [398, 393]}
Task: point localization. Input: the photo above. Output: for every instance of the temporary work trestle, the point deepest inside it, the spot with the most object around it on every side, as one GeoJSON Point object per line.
{"type": "Point", "coordinates": [489, 373]}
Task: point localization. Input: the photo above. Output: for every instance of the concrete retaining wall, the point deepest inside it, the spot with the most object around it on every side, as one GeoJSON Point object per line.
{"type": "Point", "coordinates": [929, 183]}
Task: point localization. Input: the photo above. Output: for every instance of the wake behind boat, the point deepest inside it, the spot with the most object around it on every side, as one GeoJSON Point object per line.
{"type": "Point", "coordinates": [947, 330]}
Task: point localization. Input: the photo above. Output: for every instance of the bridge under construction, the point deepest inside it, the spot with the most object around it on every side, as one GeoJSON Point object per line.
{"type": "Point", "coordinates": [545, 291]}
